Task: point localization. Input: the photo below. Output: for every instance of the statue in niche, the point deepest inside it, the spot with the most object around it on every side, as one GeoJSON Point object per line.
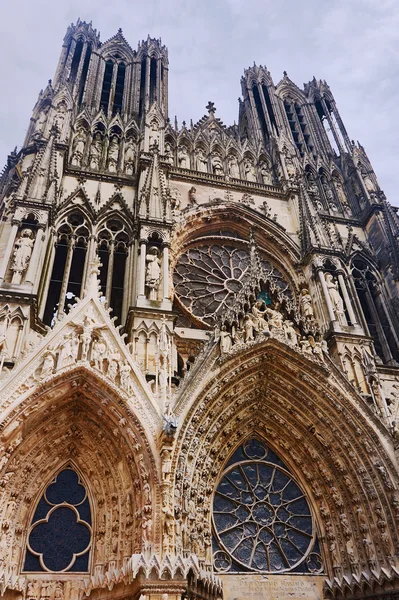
{"type": "Point", "coordinates": [327, 190]}
{"type": "Point", "coordinates": [341, 196]}
{"type": "Point", "coordinates": [305, 303]}
{"type": "Point", "coordinates": [169, 153]}
{"type": "Point", "coordinates": [258, 312]}
{"type": "Point", "coordinates": [78, 147]}
{"type": "Point", "coordinates": [336, 300]}
{"type": "Point", "coordinates": [289, 162]}
{"type": "Point", "coordinates": [249, 171]}
{"type": "Point", "coordinates": [130, 156]}
{"type": "Point", "coordinates": [202, 162]}
{"type": "Point", "coordinates": [153, 272]}
{"type": "Point", "coordinates": [225, 341]}
{"type": "Point", "coordinates": [41, 121]}
{"type": "Point", "coordinates": [113, 154]}
{"type": "Point", "coordinates": [59, 120]}
{"type": "Point", "coordinates": [154, 137]}
{"type": "Point", "coordinates": [183, 160]}
{"type": "Point", "coordinates": [217, 165]}
{"type": "Point", "coordinates": [22, 253]}
{"type": "Point", "coordinates": [368, 182]}
{"type": "Point", "coordinates": [96, 151]}
{"type": "Point", "coordinates": [265, 173]}
{"type": "Point", "coordinates": [48, 364]}
{"type": "Point", "coordinates": [232, 167]}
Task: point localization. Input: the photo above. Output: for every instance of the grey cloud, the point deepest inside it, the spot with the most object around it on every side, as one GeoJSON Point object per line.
{"type": "Point", "coordinates": [353, 44]}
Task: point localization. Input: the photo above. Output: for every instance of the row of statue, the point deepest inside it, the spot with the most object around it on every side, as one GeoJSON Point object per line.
{"type": "Point", "coordinates": [263, 321]}
{"type": "Point", "coordinates": [85, 343]}
{"type": "Point", "coordinates": [214, 163]}
{"type": "Point", "coordinates": [97, 155]}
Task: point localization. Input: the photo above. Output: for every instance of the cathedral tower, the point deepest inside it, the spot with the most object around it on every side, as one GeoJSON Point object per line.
{"type": "Point", "coordinates": [199, 344]}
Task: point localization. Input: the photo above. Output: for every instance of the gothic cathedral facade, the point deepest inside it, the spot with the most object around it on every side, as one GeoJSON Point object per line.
{"type": "Point", "coordinates": [199, 344]}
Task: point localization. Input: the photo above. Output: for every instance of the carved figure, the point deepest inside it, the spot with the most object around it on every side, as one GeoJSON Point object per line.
{"type": "Point", "coordinates": [70, 351]}
{"type": "Point", "coordinates": [95, 152]}
{"type": "Point", "coordinates": [48, 364]}
{"type": "Point", "coordinates": [249, 327]}
{"type": "Point", "coordinates": [335, 297]}
{"type": "Point", "coordinates": [113, 155]}
{"type": "Point", "coordinates": [130, 156]}
{"type": "Point", "coordinates": [202, 162]}
{"type": "Point", "coordinates": [183, 160]}
{"type": "Point", "coordinates": [154, 134]}
{"type": "Point", "coordinates": [192, 198]}
{"type": "Point", "coordinates": [78, 147]}
{"type": "Point", "coordinates": [265, 173]}
{"type": "Point", "coordinates": [169, 153]}
{"type": "Point", "coordinates": [99, 353]}
{"type": "Point", "coordinates": [275, 317]}
{"type": "Point", "coordinates": [153, 271]}
{"type": "Point", "coordinates": [306, 306]}
{"type": "Point", "coordinates": [217, 165]}
{"type": "Point", "coordinates": [23, 250]}
{"type": "Point", "coordinates": [41, 121]}
{"type": "Point", "coordinates": [232, 166]}
{"type": "Point", "coordinates": [290, 332]}
{"type": "Point", "coordinates": [249, 171]}
{"type": "Point", "coordinates": [226, 341]}
{"type": "Point", "coordinates": [125, 381]}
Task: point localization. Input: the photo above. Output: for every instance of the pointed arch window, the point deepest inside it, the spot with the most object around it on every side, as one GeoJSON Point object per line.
{"type": "Point", "coordinates": [107, 83]}
{"type": "Point", "coordinates": [119, 88]}
{"type": "Point", "coordinates": [261, 518]}
{"type": "Point", "coordinates": [60, 535]}
{"type": "Point", "coordinates": [76, 61]}
{"type": "Point", "coordinates": [298, 126]}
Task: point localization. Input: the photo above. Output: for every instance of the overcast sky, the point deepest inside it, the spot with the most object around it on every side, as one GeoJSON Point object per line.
{"type": "Point", "coordinates": [352, 44]}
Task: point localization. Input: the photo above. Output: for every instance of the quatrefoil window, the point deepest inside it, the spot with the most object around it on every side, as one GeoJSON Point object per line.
{"type": "Point", "coordinates": [59, 538]}
{"type": "Point", "coordinates": [262, 520]}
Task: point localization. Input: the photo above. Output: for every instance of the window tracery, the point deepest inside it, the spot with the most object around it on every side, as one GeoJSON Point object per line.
{"type": "Point", "coordinates": [261, 517]}
{"type": "Point", "coordinates": [59, 538]}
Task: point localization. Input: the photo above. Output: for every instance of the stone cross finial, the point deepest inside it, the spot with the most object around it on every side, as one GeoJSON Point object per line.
{"type": "Point", "coordinates": [210, 107]}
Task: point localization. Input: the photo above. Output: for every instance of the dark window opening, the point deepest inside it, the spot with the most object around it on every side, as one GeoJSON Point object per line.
{"type": "Point", "coordinates": [153, 80]}
{"type": "Point", "coordinates": [142, 86]}
{"type": "Point", "coordinates": [261, 114]}
{"type": "Point", "coordinates": [85, 69]}
{"type": "Point", "coordinates": [118, 278]}
{"type": "Point", "coordinates": [269, 106]}
{"type": "Point", "coordinates": [54, 291]}
{"type": "Point", "coordinates": [76, 274]}
{"type": "Point", "coordinates": [103, 254]}
{"type": "Point", "coordinates": [119, 88]}
{"type": "Point", "coordinates": [107, 82]}
{"type": "Point", "coordinates": [76, 61]}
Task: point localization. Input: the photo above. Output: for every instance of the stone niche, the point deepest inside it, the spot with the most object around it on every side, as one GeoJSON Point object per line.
{"type": "Point", "coordinates": [272, 587]}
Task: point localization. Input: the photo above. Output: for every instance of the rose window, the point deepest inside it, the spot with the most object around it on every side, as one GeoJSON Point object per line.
{"type": "Point", "coordinates": [208, 278]}
{"type": "Point", "coordinates": [60, 535]}
{"type": "Point", "coordinates": [262, 520]}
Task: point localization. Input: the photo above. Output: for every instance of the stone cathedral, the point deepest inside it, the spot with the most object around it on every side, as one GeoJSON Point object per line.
{"type": "Point", "coordinates": [199, 344]}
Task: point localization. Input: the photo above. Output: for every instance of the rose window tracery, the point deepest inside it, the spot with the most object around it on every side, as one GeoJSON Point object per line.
{"type": "Point", "coordinates": [208, 278]}
{"type": "Point", "coordinates": [262, 520]}
{"type": "Point", "coordinates": [59, 538]}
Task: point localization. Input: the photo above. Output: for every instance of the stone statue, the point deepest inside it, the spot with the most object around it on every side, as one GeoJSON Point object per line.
{"type": "Point", "coordinates": [95, 152]}
{"type": "Point", "coordinates": [48, 364]}
{"type": "Point", "coordinates": [217, 165]}
{"type": "Point", "coordinates": [130, 156]}
{"type": "Point", "coordinates": [125, 381]}
{"type": "Point", "coordinates": [249, 171]}
{"type": "Point", "coordinates": [265, 174]}
{"type": "Point", "coordinates": [78, 147]}
{"type": "Point", "coordinates": [99, 352]}
{"type": "Point", "coordinates": [275, 317]}
{"type": "Point", "coordinates": [261, 325]}
{"type": "Point", "coordinates": [290, 333]}
{"type": "Point", "coordinates": [306, 306]}
{"type": "Point", "coordinates": [70, 351]}
{"type": "Point", "coordinates": [232, 167]}
{"type": "Point", "coordinates": [22, 252]}
{"type": "Point", "coordinates": [169, 153]}
{"type": "Point", "coordinates": [368, 183]}
{"type": "Point", "coordinates": [113, 155]}
{"type": "Point", "coordinates": [59, 120]}
{"type": "Point", "coordinates": [183, 160]}
{"type": "Point", "coordinates": [41, 121]}
{"type": "Point", "coordinates": [336, 300]}
{"type": "Point", "coordinates": [154, 134]}
{"type": "Point", "coordinates": [202, 163]}
{"type": "Point", "coordinates": [153, 272]}
{"type": "Point", "coordinates": [249, 327]}
{"type": "Point", "coordinates": [226, 341]}
{"type": "Point", "coordinates": [192, 196]}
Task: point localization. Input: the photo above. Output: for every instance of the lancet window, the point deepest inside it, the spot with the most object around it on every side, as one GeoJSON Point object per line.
{"type": "Point", "coordinates": [76, 61]}
{"type": "Point", "coordinates": [60, 535]}
{"type": "Point", "coordinates": [68, 267]}
{"type": "Point", "coordinates": [107, 83]}
{"type": "Point", "coordinates": [298, 126]}
{"type": "Point", "coordinates": [112, 251]}
{"type": "Point", "coordinates": [375, 307]}
{"type": "Point", "coordinates": [262, 520]}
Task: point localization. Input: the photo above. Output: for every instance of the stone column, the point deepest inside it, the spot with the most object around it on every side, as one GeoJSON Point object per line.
{"type": "Point", "coordinates": [37, 247]}
{"type": "Point", "coordinates": [347, 300]}
{"type": "Point", "coordinates": [165, 272]}
{"type": "Point", "coordinates": [143, 251]}
{"type": "Point", "coordinates": [110, 272]}
{"type": "Point", "coordinates": [9, 248]}
{"type": "Point", "coordinates": [327, 296]}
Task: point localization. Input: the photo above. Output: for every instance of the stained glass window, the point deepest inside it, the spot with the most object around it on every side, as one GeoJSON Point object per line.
{"type": "Point", "coordinates": [261, 518]}
{"type": "Point", "coordinates": [59, 538]}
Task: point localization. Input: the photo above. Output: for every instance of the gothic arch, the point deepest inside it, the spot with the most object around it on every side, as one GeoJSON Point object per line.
{"type": "Point", "coordinates": [319, 428]}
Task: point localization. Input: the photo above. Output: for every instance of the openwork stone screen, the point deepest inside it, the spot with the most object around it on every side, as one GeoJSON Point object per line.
{"type": "Point", "coordinates": [60, 535]}
{"type": "Point", "coordinates": [261, 518]}
{"type": "Point", "coordinates": [207, 278]}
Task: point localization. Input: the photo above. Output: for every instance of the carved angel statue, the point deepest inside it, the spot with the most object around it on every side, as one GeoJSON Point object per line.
{"type": "Point", "coordinates": [335, 297]}
{"type": "Point", "coordinates": [153, 271]}
{"type": "Point", "coordinates": [78, 147]}
{"type": "Point", "coordinates": [23, 250]}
